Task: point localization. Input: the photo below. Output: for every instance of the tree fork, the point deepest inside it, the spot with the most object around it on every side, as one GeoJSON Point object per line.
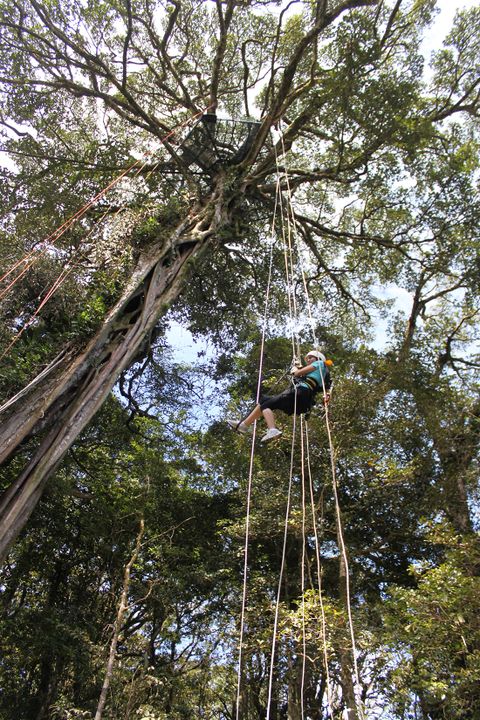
{"type": "Point", "coordinates": [64, 403]}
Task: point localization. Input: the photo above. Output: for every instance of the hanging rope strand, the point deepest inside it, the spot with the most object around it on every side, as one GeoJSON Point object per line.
{"type": "Point", "coordinates": [343, 551]}
{"type": "Point", "coordinates": [292, 317]}
{"type": "Point", "coordinates": [319, 573]}
{"type": "Point", "coordinates": [295, 233]}
{"type": "Point", "coordinates": [334, 482]}
{"type": "Point", "coordinates": [282, 570]}
{"type": "Point", "coordinates": [304, 639]}
{"type": "Point", "coordinates": [252, 454]}
{"type": "Point", "coordinates": [245, 573]}
{"type": "Point", "coordinates": [289, 257]}
{"type": "Point", "coordinates": [285, 243]}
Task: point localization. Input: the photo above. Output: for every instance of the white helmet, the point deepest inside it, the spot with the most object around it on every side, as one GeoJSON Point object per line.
{"type": "Point", "coordinates": [316, 354]}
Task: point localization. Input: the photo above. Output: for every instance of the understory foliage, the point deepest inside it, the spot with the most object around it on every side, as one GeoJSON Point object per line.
{"type": "Point", "coordinates": [138, 540]}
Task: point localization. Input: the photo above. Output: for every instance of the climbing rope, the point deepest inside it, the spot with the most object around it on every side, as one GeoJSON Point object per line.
{"type": "Point", "coordinates": [286, 230]}
{"type": "Point", "coordinates": [343, 551]}
{"type": "Point", "coordinates": [56, 285]}
{"type": "Point", "coordinates": [291, 214]}
{"type": "Point", "coordinates": [304, 557]}
{"type": "Point", "coordinates": [52, 290]}
{"type": "Point", "coordinates": [282, 568]}
{"type": "Point", "coordinates": [319, 572]}
{"type": "Point", "coordinates": [251, 463]}
{"type": "Point", "coordinates": [295, 232]}
{"type": "Point", "coordinates": [293, 314]}
{"type": "Point", "coordinates": [289, 233]}
{"type": "Point", "coordinates": [286, 235]}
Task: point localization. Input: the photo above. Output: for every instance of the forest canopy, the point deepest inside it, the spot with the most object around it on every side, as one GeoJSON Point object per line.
{"type": "Point", "coordinates": [270, 177]}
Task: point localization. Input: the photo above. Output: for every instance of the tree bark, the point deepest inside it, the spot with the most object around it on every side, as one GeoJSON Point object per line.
{"type": "Point", "coordinates": [66, 399]}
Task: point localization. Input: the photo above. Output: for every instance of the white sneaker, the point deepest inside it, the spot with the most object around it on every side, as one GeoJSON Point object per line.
{"type": "Point", "coordinates": [239, 426]}
{"type": "Point", "coordinates": [271, 435]}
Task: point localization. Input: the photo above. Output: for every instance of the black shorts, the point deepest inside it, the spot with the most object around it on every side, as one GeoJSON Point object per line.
{"type": "Point", "coordinates": [286, 401]}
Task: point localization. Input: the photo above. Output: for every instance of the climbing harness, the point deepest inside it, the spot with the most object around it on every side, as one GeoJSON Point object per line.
{"type": "Point", "coordinates": [310, 381]}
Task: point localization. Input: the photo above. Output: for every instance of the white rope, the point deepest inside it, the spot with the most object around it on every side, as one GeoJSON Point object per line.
{"type": "Point", "coordinates": [332, 460]}
{"type": "Point", "coordinates": [282, 569]}
{"type": "Point", "coordinates": [245, 575]}
{"type": "Point", "coordinates": [295, 232]}
{"type": "Point", "coordinates": [288, 255]}
{"type": "Point", "coordinates": [304, 639]}
{"type": "Point", "coordinates": [347, 568]}
{"type": "Point", "coordinates": [289, 270]}
{"type": "Point", "coordinates": [252, 455]}
{"type": "Point", "coordinates": [290, 234]}
{"type": "Point", "coordinates": [319, 575]}
{"type": "Point", "coordinates": [288, 260]}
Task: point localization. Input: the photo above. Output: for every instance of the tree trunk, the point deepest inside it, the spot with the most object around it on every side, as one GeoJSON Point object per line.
{"type": "Point", "coordinates": [49, 673]}
{"type": "Point", "coordinates": [294, 689]}
{"type": "Point", "coordinates": [68, 395]}
{"type": "Point", "coordinates": [50, 664]}
{"type": "Point", "coordinates": [458, 456]}
{"type": "Point", "coordinates": [122, 608]}
{"type": "Point", "coordinates": [457, 451]}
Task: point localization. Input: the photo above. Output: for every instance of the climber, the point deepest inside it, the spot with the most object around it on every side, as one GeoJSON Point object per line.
{"type": "Point", "coordinates": [299, 398]}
